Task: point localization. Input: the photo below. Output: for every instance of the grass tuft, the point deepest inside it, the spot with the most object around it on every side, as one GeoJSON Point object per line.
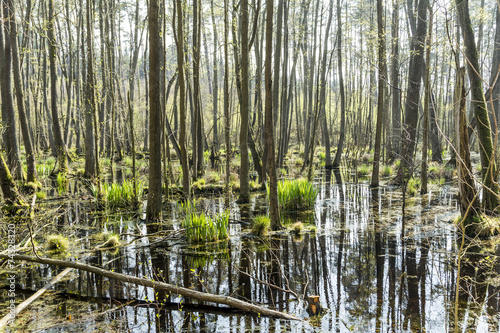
{"type": "Point", "coordinates": [121, 195]}
{"type": "Point", "coordinates": [296, 194]}
{"type": "Point", "coordinates": [203, 228]}
{"type": "Point", "coordinates": [261, 225]}
{"type": "Point", "coordinates": [57, 243]}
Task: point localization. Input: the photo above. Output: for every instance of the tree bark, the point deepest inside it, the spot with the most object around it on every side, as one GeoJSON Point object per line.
{"type": "Point", "coordinates": [153, 209]}
{"type": "Point", "coordinates": [381, 93]}
{"type": "Point", "coordinates": [274, 212]}
{"type": "Point", "coordinates": [8, 112]}
{"type": "Point", "coordinates": [18, 83]}
{"type": "Point", "coordinates": [90, 153]}
{"type": "Point", "coordinates": [409, 130]}
{"type": "Point", "coordinates": [340, 146]}
{"type": "Point", "coordinates": [58, 139]}
{"type": "Point", "coordinates": [179, 41]}
{"type": "Point", "coordinates": [488, 165]}
{"type": "Point", "coordinates": [467, 191]}
{"type": "Point", "coordinates": [244, 106]}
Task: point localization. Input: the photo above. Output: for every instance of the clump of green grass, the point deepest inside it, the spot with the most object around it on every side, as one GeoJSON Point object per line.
{"type": "Point", "coordinates": [41, 195]}
{"type": "Point", "coordinates": [387, 171]}
{"type": "Point", "coordinates": [296, 194]}
{"type": "Point", "coordinates": [62, 182]}
{"type": "Point", "coordinates": [57, 243]}
{"type": "Point", "coordinates": [121, 195]}
{"type": "Point", "coordinates": [254, 185]}
{"type": "Point", "coordinates": [363, 170]}
{"type": "Point", "coordinates": [297, 228]}
{"type": "Point", "coordinates": [110, 240]}
{"type": "Point", "coordinates": [212, 177]}
{"type": "Point", "coordinates": [198, 183]}
{"type": "Point", "coordinates": [203, 228]}
{"type": "Point", "coordinates": [413, 186]}
{"type": "Point", "coordinates": [261, 225]}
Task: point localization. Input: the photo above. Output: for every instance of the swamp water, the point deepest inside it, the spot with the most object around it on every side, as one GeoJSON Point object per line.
{"type": "Point", "coordinates": [368, 275]}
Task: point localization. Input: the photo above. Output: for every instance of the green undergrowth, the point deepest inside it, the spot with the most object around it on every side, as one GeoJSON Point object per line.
{"type": "Point", "coordinates": [201, 227]}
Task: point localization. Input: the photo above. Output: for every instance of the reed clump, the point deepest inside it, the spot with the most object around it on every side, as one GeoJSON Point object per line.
{"type": "Point", "coordinates": [201, 227]}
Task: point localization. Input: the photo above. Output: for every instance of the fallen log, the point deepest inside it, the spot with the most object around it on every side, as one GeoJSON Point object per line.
{"type": "Point", "coordinates": [157, 285]}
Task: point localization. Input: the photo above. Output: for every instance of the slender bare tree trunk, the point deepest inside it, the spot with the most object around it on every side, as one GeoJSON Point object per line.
{"type": "Point", "coordinates": [244, 106]}
{"type": "Point", "coordinates": [274, 211]}
{"type": "Point", "coordinates": [58, 139]}
{"type": "Point", "coordinates": [179, 41]}
{"type": "Point", "coordinates": [153, 209]}
{"type": "Point", "coordinates": [381, 92]}
{"type": "Point", "coordinates": [8, 112]}
{"type": "Point", "coordinates": [18, 83]}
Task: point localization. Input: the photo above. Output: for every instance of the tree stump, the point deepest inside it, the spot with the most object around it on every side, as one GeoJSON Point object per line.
{"type": "Point", "coordinates": [314, 308]}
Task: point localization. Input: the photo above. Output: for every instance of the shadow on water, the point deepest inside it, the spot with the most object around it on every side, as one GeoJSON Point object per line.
{"type": "Point", "coordinates": [367, 277]}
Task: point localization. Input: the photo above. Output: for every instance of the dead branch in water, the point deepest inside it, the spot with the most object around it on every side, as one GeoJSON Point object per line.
{"type": "Point", "coordinates": [202, 296]}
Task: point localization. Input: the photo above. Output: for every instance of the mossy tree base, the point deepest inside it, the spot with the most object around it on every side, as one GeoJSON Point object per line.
{"type": "Point", "coordinates": [481, 226]}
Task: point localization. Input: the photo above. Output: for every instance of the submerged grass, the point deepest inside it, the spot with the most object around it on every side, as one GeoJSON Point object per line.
{"type": "Point", "coordinates": [204, 228]}
{"type": "Point", "coordinates": [296, 194]}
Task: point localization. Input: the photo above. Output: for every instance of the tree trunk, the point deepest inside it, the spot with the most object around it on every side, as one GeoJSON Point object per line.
{"type": "Point", "coordinates": [396, 93]}
{"type": "Point", "coordinates": [274, 212]}
{"type": "Point", "coordinates": [8, 113]}
{"type": "Point", "coordinates": [90, 153]}
{"type": "Point", "coordinates": [58, 139]}
{"type": "Point", "coordinates": [28, 143]}
{"type": "Point", "coordinates": [244, 106]}
{"type": "Point", "coordinates": [179, 41]}
{"type": "Point", "coordinates": [409, 131]}
{"type": "Point", "coordinates": [340, 146]}
{"type": "Point", "coordinates": [382, 71]}
{"type": "Point", "coordinates": [215, 89]}
{"type": "Point", "coordinates": [467, 191]}
{"type": "Point", "coordinates": [153, 209]}
{"type": "Point", "coordinates": [425, 132]}
{"type": "Point", "coordinates": [488, 165]}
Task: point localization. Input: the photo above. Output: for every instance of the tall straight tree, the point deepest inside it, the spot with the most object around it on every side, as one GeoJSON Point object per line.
{"type": "Point", "coordinates": [18, 83]}
{"type": "Point", "coordinates": [179, 42]}
{"type": "Point", "coordinates": [396, 93]}
{"type": "Point", "coordinates": [340, 146]}
{"type": "Point", "coordinates": [409, 130]}
{"type": "Point", "coordinates": [58, 139]}
{"type": "Point", "coordinates": [153, 209]}
{"type": "Point", "coordinates": [244, 106]}
{"type": "Point", "coordinates": [488, 165]}
{"type": "Point", "coordinates": [198, 135]}
{"type": "Point", "coordinates": [274, 212]}
{"type": "Point", "coordinates": [215, 89]}
{"type": "Point", "coordinates": [381, 92]}
{"type": "Point", "coordinates": [8, 112]}
{"type": "Point", "coordinates": [90, 152]}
